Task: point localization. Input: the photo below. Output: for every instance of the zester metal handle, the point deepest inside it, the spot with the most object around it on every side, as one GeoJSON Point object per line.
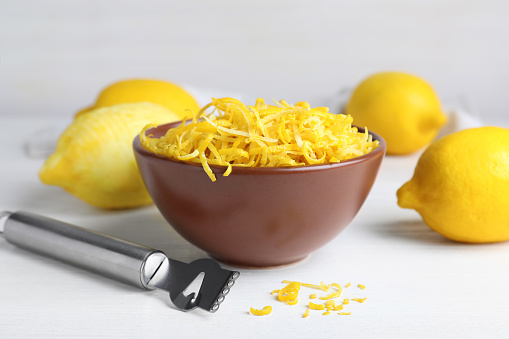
{"type": "Point", "coordinates": [109, 256]}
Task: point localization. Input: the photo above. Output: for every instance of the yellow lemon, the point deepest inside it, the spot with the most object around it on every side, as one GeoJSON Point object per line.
{"type": "Point", "coordinates": [461, 186]}
{"type": "Point", "coordinates": [402, 108]}
{"type": "Point", "coordinates": [94, 159]}
{"type": "Point", "coordinates": [166, 94]}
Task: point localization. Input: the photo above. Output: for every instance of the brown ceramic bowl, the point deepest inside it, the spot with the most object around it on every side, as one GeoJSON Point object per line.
{"type": "Point", "coordinates": [258, 217]}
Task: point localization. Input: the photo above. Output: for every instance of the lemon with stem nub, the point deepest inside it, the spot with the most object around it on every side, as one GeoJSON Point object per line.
{"type": "Point", "coordinates": [461, 186]}
{"type": "Point", "coordinates": [402, 108]}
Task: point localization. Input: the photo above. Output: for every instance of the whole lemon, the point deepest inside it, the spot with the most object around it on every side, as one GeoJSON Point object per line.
{"type": "Point", "coordinates": [461, 186]}
{"type": "Point", "coordinates": [402, 108]}
{"type": "Point", "coordinates": [163, 93]}
{"type": "Point", "coordinates": [94, 158]}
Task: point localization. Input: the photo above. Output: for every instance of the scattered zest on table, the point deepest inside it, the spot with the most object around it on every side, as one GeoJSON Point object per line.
{"type": "Point", "coordinates": [289, 295]}
{"type": "Point", "coordinates": [360, 300]}
{"type": "Point", "coordinates": [264, 311]}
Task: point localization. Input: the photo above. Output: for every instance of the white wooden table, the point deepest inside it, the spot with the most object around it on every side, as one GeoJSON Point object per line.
{"type": "Point", "coordinates": [418, 283]}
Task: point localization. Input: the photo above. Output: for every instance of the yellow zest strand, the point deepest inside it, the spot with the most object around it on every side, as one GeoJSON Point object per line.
{"type": "Point", "coordinates": [314, 306]}
{"type": "Point", "coordinates": [312, 296]}
{"type": "Point", "coordinates": [346, 301]}
{"type": "Point", "coordinates": [228, 171]}
{"type": "Point", "coordinates": [362, 287]}
{"type": "Point", "coordinates": [344, 313]}
{"type": "Point", "coordinates": [233, 134]}
{"type": "Point", "coordinates": [188, 156]}
{"type": "Point", "coordinates": [264, 311]}
{"type": "Point", "coordinates": [306, 314]}
{"type": "Point", "coordinates": [336, 294]}
{"type": "Point", "coordinates": [359, 300]}
{"type": "Point", "coordinates": [289, 293]}
{"type": "Point", "coordinates": [348, 285]}
{"type": "Point", "coordinates": [292, 302]}
{"type": "Point", "coordinates": [322, 286]}
{"type": "Point", "coordinates": [326, 313]}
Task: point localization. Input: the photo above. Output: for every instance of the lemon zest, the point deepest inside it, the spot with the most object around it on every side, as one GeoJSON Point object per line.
{"type": "Point", "coordinates": [338, 308]}
{"type": "Point", "coordinates": [289, 293]}
{"type": "Point", "coordinates": [362, 287]}
{"type": "Point", "coordinates": [261, 136]}
{"type": "Point", "coordinates": [314, 306]}
{"type": "Point", "coordinates": [360, 300]}
{"type": "Point", "coordinates": [336, 294]}
{"type": "Point", "coordinates": [264, 311]}
{"type": "Point", "coordinates": [292, 302]}
{"type": "Point", "coordinates": [306, 313]}
{"type": "Point", "coordinates": [344, 313]}
{"type": "Point", "coordinates": [322, 286]}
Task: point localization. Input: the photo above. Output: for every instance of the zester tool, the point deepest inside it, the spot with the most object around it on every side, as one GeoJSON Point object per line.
{"type": "Point", "coordinates": [125, 261]}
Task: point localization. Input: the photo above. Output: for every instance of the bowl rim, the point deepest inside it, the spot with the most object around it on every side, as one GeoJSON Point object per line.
{"type": "Point", "coordinates": [238, 170]}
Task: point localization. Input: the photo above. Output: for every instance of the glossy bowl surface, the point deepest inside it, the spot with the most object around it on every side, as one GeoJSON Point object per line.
{"type": "Point", "coordinates": [258, 217]}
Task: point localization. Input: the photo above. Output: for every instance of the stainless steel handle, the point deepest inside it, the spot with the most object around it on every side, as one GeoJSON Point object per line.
{"type": "Point", "coordinates": [118, 259]}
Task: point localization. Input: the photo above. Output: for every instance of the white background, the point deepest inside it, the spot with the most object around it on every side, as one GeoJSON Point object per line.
{"type": "Point", "coordinates": [55, 56]}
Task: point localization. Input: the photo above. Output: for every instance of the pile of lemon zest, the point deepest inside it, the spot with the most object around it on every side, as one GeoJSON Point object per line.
{"type": "Point", "coordinates": [306, 313]}
{"type": "Point", "coordinates": [362, 287]}
{"type": "Point", "coordinates": [286, 135]}
{"type": "Point", "coordinates": [264, 311]}
{"type": "Point", "coordinates": [360, 300]}
{"type": "Point", "coordinates": [314, 306]}
{"type": "Point", "coordinates": [312, 296]}
{"type": "Point", "coordinates": [346, 301]}
{"type": "Point", "coordinates": [348, 285]}
{"type": "Point", "coordinates": [344, 313]}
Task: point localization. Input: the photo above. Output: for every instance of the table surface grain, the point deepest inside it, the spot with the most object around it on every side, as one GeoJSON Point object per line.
{"type": "Point", "coordinates": [418, 284]}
